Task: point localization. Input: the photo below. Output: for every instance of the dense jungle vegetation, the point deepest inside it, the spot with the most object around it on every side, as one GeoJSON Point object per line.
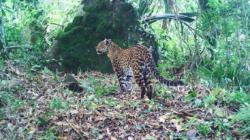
{"type": "Point", "coordinates": [54, 85]}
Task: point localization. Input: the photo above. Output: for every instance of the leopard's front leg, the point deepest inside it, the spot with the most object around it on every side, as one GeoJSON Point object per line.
{"type": "Point", "coordinates": [125, 81]}
{"type": "Point", "coordinates": [121, 80]}
{"type": "Point", "coordinates": [124, 76]}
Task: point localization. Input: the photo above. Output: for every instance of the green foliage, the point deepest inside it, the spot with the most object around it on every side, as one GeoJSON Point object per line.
{"type": "Point", "coordinates": [42, 121]}
{"type": "Point", "coordinates": [11, 101]}
{"type": "Point", "coordinates": [56, 106]}
{"type": "Point", "coordinates": [163, 92]}
{"type": "Point", "coordinates": [92, 86]}
{"type": "Point", "coordinates": [105, 90]}
{"type": "Point", "coordinates": [50, 134]}
{"type": "Point", "coordinates": [58, 103]}
{"type": "Point", "coordinates": [204, 128]}
{"type": "Point", "coordinates": [144, 7]}
{"type": "Point", "coordinates": [238, 97]}
{"type": "Point", "coordinates": [225, 23]}
{"type": "Point", "coordinates": [112, 102]}
{"type": "Point", "coordinates": [212, 97]}
{"type": "Point", "coordinates": [25, 27]}
{"type": "Point", "coordinates": [221, 124]}
{"type": "Point", "coordinates": [1, 64]}
{"type": "Point", "coordinates": [192, 95]}
{"type": "Point", "coordinates": [96, 92]}
{"type": "Point", "coordinates": [215, 47]}
{"type": "Point", "coordinates": [88, 86]}
{"type": "Point", "coordinates": [30, 26]}
{"type": "Point", "coordinates": [243, 118]}
{"type": "Point", "coordinates": [209, 100]}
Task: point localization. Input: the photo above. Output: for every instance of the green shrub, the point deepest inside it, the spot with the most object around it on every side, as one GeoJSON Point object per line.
{"type": "Point", "coordinates": [204, 128]}
{"type": "Point", "coordinates": [242, 118]}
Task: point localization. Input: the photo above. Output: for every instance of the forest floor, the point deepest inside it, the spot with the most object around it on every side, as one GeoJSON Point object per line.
{"type": "Point", "coordinates": [39, 106]}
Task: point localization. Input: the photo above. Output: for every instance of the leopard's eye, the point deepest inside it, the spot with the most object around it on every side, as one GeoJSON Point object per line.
{"type": "Point", "coordinates": [99, 52]}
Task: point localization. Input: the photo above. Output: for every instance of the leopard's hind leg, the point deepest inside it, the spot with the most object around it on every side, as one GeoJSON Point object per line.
{"type": "Point", "coordinates": [148, 84]}
{"type": "Point", "coordinates": [139, 77]}
{"type": "Point", "coordinates": [147, 73]}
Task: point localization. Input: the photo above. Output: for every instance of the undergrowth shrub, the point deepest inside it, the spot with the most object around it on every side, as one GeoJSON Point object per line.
{"type": "Point", "coordinates": [242, 118]}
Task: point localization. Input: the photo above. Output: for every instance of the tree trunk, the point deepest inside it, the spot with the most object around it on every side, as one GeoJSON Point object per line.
{"type": "Point", "coordinates": [3, 50]}
{"type": "Point", "coordinates": [169, 8]}
{"type": "Point", "coordinates": [211, 37]}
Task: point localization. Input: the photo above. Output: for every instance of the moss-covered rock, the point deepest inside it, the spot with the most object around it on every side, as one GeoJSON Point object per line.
{"type": "Point", "coordinates": [102, 19]}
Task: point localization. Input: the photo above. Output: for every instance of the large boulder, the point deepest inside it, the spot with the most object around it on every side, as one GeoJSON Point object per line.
{"type": "Point", "coordinates": [101, 19]}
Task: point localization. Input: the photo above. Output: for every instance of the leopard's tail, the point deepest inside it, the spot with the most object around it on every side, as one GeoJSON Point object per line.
{"type": "Point", "coordinates": [165, 81]}
{"type": "Point", "coordinates": [162, 79]}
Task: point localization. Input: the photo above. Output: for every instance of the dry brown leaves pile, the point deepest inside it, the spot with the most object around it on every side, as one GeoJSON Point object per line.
{"type": "Point", "coordinates": [115, 116]}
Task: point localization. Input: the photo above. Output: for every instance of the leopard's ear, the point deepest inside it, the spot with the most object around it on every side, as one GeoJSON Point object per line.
{"type": "Point", "coordinates": [108, 41]}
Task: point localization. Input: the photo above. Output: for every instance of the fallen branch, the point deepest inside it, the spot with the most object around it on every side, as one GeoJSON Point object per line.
{"type": "Point", "coordinates": [56, 24]}
{"type": "Point", "coordinates": [181, 17]}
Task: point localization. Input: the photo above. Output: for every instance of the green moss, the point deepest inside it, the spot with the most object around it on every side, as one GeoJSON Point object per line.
{"type": "Point", "coordinates": [67, 34]}
{"type": "Point", "coordinates": [103, 19]}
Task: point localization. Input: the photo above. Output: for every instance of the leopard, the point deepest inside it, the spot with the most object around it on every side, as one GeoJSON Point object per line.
{"type": "Point", "coordinates": [135, 62]}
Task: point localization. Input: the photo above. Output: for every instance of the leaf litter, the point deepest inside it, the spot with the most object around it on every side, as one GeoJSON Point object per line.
{"type": "Point", "coordinates": [49, 110]}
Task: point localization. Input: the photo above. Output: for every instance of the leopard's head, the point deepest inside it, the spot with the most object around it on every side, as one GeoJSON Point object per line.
{"type": "Point", "coordinates": [103, 46]}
